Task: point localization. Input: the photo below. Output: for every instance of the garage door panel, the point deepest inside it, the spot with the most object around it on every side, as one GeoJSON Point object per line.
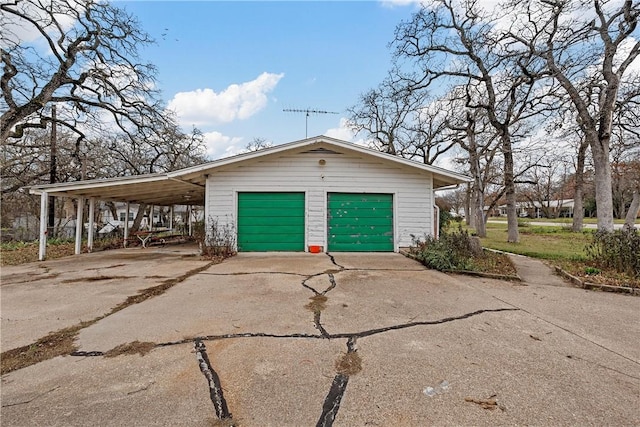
{"type": "Point", "coordinates": [275, 238]}
{"type": "Point", "coordinates": [267, 205]}
{"type": "Point", "coordinates": [271, 222]}
{"type": "Point", "coordinates": [363, 231]}
{"type": "Point", "coordinates": [265, 220]}
{"type": "Point", "coordinates": [360, 222]}
{"type": "Point", "coordinates": [370, 221]}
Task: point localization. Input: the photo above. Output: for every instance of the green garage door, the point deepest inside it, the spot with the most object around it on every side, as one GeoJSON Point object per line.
{"type": "Point", "coordinates": [360, 222]}
{"type": "Point", "coordinates": [270, 222]}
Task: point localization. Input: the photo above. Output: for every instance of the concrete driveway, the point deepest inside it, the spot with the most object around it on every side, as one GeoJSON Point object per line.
{"type": "Point", "coordinates": [313, 339]}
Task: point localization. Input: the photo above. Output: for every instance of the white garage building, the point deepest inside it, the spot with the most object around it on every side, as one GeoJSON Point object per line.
{"type": "Point", "coordinates": [318, 192]}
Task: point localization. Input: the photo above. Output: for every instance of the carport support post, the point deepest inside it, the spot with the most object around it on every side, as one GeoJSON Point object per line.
{"type": "Point", "coordinates": [92, 207]}
{"type": "Point", "coordinates": [126, 226]}
{"type": "Point", "coordinates": [189, 213]}
{"type": "Point", "coordinates": [44, 209]}
{"type": "Point", "coordinates": [79, 225]}
{"type": "Point", "coordinates": [171, 218]}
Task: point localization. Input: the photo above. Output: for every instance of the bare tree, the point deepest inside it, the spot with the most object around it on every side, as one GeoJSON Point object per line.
{"type": "Point", "coordinates": [447, 41]}
{"type": "Point", "coordinates": [89, 66]}
{"type": "Point", "coordinates": [477, 138]}
{"type": "Point", "coordinates": [588, 48]}
{"type": "Point", "coordinates": [382, 115]}
{"type": "Point", "coordinates": [258, 144]}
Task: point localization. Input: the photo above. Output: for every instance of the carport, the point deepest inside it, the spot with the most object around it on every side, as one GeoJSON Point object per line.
{"type": "Point", "coordinates": [160, 189]}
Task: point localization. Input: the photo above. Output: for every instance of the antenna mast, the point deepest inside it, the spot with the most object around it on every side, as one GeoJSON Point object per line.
{"type": "Point", "coordinates": [307, 112]}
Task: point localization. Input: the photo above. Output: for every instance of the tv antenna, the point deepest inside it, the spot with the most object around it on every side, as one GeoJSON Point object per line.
{"type": "Point", "coordinates": [307, 112]}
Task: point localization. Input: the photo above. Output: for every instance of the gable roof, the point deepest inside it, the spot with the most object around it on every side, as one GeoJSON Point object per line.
{"type": "Point", "coordinates": [186, 186]}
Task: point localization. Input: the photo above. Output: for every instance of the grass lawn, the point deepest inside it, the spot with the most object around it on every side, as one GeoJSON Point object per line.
{"type": "Point", "coordinates": [551, 242]}
{"type": "Point", "coordinates": [556, 220]}
{"type": "Point", "coordinates": [558, 246]}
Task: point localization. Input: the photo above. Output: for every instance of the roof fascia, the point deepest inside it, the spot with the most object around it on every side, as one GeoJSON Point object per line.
{"type": "Point", "coordinates": [96, 183]}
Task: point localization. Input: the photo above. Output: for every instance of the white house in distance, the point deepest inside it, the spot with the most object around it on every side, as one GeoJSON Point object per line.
{"type": "Point", "coordinates": [318, 192]}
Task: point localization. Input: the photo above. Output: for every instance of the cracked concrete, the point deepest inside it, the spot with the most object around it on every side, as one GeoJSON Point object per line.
{"type": "Point", "coordinates": [531, 349]}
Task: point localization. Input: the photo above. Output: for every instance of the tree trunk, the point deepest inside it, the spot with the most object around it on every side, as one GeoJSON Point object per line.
{"type": "Point", "coordinates": [602, 175]}
{"type": "Point", "coordinates": [481, 228]}
{"type": "Point", "coordinates": [467, 207]}
{"type": "Point", "coordinates": [112, 208]}
{"type": "Point", "coordinates": [578, 192]}
{"type": "Point", "coordinates": [510, 190]}
{"type": "Point", "coordinates": [138, 219]}
{"type": "Point", "coordinates": [632, 213]}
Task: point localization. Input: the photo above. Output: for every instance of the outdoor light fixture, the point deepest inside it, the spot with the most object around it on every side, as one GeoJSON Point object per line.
{"type": "Point", "coordinates": [322, 162]}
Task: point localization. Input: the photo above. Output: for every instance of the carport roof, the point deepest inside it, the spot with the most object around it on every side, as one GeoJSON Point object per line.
{"type": "Point", "coordinates": [187, 186]}
{"type": "Point", "coordinates": [156, 189]}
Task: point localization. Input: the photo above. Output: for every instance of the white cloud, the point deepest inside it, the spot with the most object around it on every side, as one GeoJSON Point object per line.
{"type": "Point", "coordinates": [399, 3]}
{"type": "Point", "coordinates": [219, 145]}
{"type": "Point", "coordinates": [344, 133]}
{"type": "Point", "coordinates": [238, 101]}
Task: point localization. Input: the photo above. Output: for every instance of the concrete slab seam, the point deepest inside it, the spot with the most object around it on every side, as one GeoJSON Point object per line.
{"type": "Point", "coordinates": [213, 381]}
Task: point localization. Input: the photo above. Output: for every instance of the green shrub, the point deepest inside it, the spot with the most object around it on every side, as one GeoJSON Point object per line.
{"type": "Point", "coordinates": [619, 250]}
{"type": "Point", "coordinates": [592, 271]}
{"type": "Point", "coordinates": [445, 219]}
{"type": "Point", "coordinates": [453, 251]}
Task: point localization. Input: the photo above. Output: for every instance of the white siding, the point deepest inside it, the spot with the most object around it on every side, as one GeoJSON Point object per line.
{"type": "Point", "coordinates": [411, 189]}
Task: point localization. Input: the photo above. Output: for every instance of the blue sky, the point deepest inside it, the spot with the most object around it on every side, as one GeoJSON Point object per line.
{"type": "Point", "coordinates": [231, 67]}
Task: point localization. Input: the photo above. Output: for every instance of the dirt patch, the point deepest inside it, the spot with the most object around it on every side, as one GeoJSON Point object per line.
{"type": "Point", "coordinates": [495, 263]}
{"type": "Point", "coordinates": [135, 347]}
{"type": "Point", "coordinates": [225, 422]}
{"type": "Point", "coordinates": [317, 304]}
{"type": "Point", "coordinates": [55, 344]}
{"type": "Point", "coordinates": [588, 271]}
{"type": "Point", "coordinates": [7, 280]}
{"type": "Point", "coordinates": [349, 364]}
{"type": "Point", "coordinates": [29, 253]}
{"type": "Point", "coordinates": [96, 279]}
{"type": "Point", "coordinates": [490, 403]}
{"type": "Point", "coordinates": [62, 342]}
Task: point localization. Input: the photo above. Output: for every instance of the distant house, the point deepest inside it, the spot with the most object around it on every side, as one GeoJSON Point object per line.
{"type": "Point", "coordinates": [320, 192]}
{"type": "Point", "coordinates": [164, 218]}
{"type": "Point", "coordinates": [535, 209]}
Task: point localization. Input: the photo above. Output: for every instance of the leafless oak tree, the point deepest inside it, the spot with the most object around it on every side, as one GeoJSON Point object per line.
{"type": "Point", "coordinates": [588, 47]}
{"type": "Point", "coordinates": [450, 41]}
{"type": "Point", "coordinates": [88, 65]}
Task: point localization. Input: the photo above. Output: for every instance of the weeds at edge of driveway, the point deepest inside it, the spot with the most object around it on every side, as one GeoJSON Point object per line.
{"type": "Point", "coordinates": [130, 348]}
{"type": "Point", "coordinates": [61, 342]}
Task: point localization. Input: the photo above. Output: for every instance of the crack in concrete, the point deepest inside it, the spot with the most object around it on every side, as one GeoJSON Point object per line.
{"type": "Point", "coordinates": [332, 280]}
{"type": "Point", "coordinates": [319, 300]}
{"type": "Point", "coordinates": [338, 387]}
{"type": "Point", "coordinates": [332, 401]}
{"type": "Point", "coordinates": [318, 324]}
{"type": "Point", "coordinates": [333, 260]}
{"type": "Point", "coordinates": [215, 389]}
{"type": "Point", "coordinates": [87, 353]}
{"type": "Point", "coordinates": [257, 272]}
{"type": "Point", "coordinates": [8, 405]}
{"type": "Point", "coordinates": [370, 332]}
{"type": "Point", "coordinates": [353, 335]}
{"type": "Point", "coordinates": [145, 388]}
